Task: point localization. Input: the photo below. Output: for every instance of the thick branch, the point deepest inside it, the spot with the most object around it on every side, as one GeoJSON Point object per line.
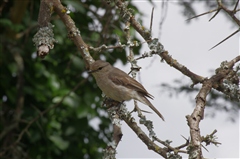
{"type": "Point", "coordinates": [44, 15]}
{"type": "Point", "coordinates": [47, 6]}
{"type": "Point", "coordinates": [228, 65]}
{"type": "Point", "coordinates": [151, 145]}
{"type": "Point", "coordinates": [174, 63]}
{"type": "Point", "coordinates": [73, 31]}
{"type": "Point", "coordinates": [198, 113]}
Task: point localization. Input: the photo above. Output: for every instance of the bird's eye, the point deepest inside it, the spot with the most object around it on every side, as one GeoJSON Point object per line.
{"type": "Point", "coordinates": [100, 68]}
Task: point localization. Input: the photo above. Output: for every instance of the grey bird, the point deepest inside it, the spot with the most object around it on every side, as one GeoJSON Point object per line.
{"type": "Point", "coordinates": [118, 86]}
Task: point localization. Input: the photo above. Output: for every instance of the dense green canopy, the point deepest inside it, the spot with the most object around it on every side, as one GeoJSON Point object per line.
{"type": "Point", "coordinates": [47, 104]}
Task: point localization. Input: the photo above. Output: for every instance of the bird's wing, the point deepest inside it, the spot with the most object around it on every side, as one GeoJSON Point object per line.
{"type": "Point", "coordinates": [121, 78]}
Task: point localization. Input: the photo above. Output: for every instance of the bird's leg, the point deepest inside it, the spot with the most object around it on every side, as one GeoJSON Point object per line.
{"type": "Point", "coordinates": [138, 110]}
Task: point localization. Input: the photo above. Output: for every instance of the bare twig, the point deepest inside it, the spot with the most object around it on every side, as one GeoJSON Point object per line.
{"type": "Point", "coordinates": [231, 13]}
{"type": "Point", "coordinates": [225, 39]}
{"type": "Point", "coordinates": [218, 10]}
{"type": "Point", "coordinates": [170, 148]}
{"type": "Point", "coordinates": [164, 9]}
{"type": "Point", "coordinates": [104, 47]}
{"type": "Point", "coordinates": [236, 5]}
{"type": "Point", "coordinates": [183, 145]}
{"type": "Point", "coordinates": [151, 20]}
{"type": "Point", "coordinates": [208, 139]}
{"type": "Point", "coordinates": [202, 14]}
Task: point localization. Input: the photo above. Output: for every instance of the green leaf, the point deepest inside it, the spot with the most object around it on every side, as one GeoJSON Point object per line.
{"type": "Point", "coordinates": [55, 124]}
{"type": "Point", "coordinates": [77, 62]}
{"type": "Point", "coordinates": [59, 142]}
{"type": "Point", "coordinates": [6, 22]}
{"type": "Point", "coordinates": [70, 130]}
{"type": "Point", "coordinates": [53, 82]}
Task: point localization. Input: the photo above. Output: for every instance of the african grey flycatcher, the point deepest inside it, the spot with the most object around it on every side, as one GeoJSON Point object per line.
{"type": "Point", "coordinates": [117, 85]}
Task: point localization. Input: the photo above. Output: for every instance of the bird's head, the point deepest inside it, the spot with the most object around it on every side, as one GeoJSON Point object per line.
{"type": "Point", "coordinates": [99, 67]}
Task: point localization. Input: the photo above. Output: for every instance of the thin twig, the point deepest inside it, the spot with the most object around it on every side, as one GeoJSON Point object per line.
{"type": "Point", "coordinates": [104, 47]}
{"type": "Point", "coordinates": [151, 20]}
{"type": "Point", "coordinates": [215, 14]}
{"type": "Point", "coordinates": [235, 8]}
{"type": "Point", "coordinates": [170, 148]}
{"type": "Point", "coordinates": [225, 39]}
{"type": "Point", "coordinates": [202, 14]}
{"type": "Point", "coordinates": [164, 8]}
{"type": "Point", "coordinates": [231, 13]}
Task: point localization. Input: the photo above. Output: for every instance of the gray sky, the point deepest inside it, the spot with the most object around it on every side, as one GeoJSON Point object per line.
{"type": "Point", "coordinates": [188, 44]}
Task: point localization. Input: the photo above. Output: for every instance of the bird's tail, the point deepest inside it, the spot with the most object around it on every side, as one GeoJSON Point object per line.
{"type": "Point", "coordinates": [144, 100]}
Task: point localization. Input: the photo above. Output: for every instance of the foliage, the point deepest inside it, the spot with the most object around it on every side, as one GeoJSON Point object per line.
{"type": "Point", "coordinates": [56, 94]}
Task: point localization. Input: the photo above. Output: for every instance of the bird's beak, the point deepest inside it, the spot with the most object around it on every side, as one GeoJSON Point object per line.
{"type": "Point", "coordinates": [91, 71]}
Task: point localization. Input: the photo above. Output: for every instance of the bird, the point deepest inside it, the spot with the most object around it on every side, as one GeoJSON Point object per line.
{"type": "Point", "coordinates": [118, 85]}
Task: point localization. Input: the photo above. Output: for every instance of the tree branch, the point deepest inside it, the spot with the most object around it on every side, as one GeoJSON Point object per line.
{"type": "Point", "coordinates": [149, 143]}
{"type": "Point", "coordinates": [73, 31]}
{"type": "Point", "coordinates": [198, 113]}
{"type": "Point", "coordinates": [127, 16]}
{"type": "Point", "coordinates": [47, 6]}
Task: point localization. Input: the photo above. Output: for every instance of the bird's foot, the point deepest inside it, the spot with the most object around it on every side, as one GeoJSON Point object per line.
{"type": "Point", "coordinates": [138, 110]}
{"type": "Point", "coordinates": [109, 103]}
